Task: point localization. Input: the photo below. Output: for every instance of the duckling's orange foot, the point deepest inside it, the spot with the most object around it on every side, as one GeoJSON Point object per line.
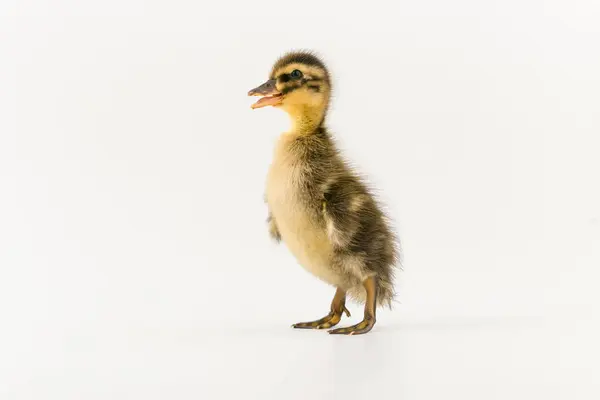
{"type": "Point", "coordinates": [331, 319]}
{"type": "Point", "coordinates": [362, 327]}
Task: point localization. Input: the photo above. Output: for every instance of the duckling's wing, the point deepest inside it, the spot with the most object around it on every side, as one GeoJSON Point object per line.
{"type": "Point", "coordinates": [344, 211]}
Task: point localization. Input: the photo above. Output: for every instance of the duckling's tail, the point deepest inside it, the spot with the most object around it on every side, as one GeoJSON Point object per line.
{"type": "Point", "coordinates": [385, 293]}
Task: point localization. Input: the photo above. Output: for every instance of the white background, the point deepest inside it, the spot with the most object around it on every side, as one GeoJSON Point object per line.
{"type": "Point", "coordinates": [134, 258]}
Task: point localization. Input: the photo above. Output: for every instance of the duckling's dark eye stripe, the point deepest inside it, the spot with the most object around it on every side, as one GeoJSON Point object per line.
{"type": "Point", "coordinates": [286, 78]}
{"type": "Point", "coordinates": [296, 84]}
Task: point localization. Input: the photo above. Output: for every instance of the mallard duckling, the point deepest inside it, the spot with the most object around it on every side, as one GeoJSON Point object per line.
{"type": "Point", "coordinates": [318, 205]}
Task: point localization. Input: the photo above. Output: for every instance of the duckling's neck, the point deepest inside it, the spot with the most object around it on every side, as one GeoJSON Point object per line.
{"type": "Point", "coordinates": [306, 120]}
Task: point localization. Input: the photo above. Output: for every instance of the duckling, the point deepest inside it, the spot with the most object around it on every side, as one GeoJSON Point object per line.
{"type": "Point", "coordinates": [319, 206]}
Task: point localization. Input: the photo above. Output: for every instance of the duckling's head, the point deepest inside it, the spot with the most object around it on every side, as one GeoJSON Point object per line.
{"type": "Point", "coordinates": [299, 84]}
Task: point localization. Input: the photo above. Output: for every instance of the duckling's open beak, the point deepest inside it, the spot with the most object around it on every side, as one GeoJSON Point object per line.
{"type": "Point", "coordinates": [271, 96]}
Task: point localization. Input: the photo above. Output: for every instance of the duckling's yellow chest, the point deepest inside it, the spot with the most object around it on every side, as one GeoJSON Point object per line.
{"type": "Point", "coordinates": [307, 241]}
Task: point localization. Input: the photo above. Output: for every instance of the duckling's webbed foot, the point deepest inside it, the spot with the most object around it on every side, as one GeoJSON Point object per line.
{"type": "Point", "coordinates": [331, 319]}
{"type": "Point", "coordinates": [369, 320]}
{"type": "Point", "coordinates": [338, 307]}
{"type": "Point", "coordinates": [362, 327]}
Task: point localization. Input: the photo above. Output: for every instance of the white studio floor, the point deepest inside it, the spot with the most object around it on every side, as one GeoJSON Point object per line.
{"type": "Point", "coordinates": [408, 357]}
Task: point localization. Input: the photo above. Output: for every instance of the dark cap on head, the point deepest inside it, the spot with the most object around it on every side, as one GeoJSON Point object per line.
{"type": "Point", "coordinates": [301, 57]}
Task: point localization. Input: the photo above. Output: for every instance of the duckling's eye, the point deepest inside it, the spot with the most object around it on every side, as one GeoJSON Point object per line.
{"type": "Point", "coordinates": [296, 74]}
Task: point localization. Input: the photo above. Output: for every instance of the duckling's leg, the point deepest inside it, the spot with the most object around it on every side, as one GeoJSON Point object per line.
{"type": "Point", "coordinates": [370, 306]}
{"type": "Point", "coordinates": [338, 306]}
